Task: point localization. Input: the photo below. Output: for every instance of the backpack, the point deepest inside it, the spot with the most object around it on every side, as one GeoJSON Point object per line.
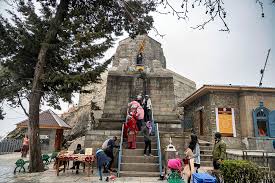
{"type": "Point", "coordinates": [105, 144]}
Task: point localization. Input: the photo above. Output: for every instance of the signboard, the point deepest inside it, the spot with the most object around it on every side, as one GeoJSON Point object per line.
{"type": "Point", "coordinates": [44, 136]}
{"type": "Point", "coordinates": [225, 122]}
{"type": "Point", "coordinates": [88, 151]}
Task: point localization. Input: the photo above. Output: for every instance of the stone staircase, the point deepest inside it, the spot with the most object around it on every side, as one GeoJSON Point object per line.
{"type": "Point", "coordinates": [135, 164]}
{"type": "Point", "coordinates": [206, 153]}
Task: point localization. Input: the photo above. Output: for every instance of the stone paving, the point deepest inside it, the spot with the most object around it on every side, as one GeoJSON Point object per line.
{"type": "Point", "coordinates": [7, 166]}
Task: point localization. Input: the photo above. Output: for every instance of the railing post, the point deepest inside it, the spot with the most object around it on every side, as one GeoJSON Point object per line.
{"type": "Point", "coordinates": [120, 150]}
{"type": "Point", "coordinates": [159, 149]}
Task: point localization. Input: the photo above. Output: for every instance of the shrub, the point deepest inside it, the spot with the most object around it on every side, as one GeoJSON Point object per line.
{"type": "Point", "coordinates": [241, 171]}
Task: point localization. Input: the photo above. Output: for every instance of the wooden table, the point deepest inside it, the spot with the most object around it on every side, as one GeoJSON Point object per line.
{"type": "Point", "coordinates": [62, 160]}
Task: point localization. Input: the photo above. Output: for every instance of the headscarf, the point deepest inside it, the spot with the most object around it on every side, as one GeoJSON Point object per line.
{"type": "Point", "coordinates": [175, 164]}
{"type": "Point", "coordinates": [149, 126]}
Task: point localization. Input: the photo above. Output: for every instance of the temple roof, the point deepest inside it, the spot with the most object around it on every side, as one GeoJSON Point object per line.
{"type": "Point", "coordinates": [225, 88]}
{"type": "Point", "coordinates": [47, 119]}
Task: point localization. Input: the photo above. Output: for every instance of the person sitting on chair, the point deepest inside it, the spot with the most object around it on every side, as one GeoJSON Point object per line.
{"type": "Point", "coordinates": [76, 164]}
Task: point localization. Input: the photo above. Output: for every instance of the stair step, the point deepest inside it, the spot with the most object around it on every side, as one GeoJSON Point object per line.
{"type": "Point", "coordinates": [204, 142]}
{"type": "Point", "coordinates": [207, 163]}
{"type": "Point", "coordinates": [206, 152]}
{"type": "Point", "coordinates": [139, 159]}
{"type": "Point", "coordinates": [140, 167]}
{"type": "Point", "coordinates": [206, 157]}
{"type": "Point", "coordinates": [141, 145]}
{"type": "Point", "coordinates": [137, 152]}
{"type": "Point", "coordinates": [141, 138]}
{"type": "Point", "coordinates": [138, 174]}
{"type": "Point", "coordinates": [169, 130]}
{"type": "Point", "coordinates": [206, 147]}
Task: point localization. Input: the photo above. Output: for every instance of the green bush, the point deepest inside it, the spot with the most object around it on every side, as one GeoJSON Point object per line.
{"type": "Point", "coordinates": [234, 171]}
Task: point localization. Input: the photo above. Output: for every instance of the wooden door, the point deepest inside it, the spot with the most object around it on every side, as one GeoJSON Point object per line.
{"type": "Point", "coordinates": [58, 139]}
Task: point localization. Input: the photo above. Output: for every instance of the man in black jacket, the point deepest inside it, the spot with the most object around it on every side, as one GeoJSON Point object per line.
{"type": "Point", "coordinates": [109, 151]}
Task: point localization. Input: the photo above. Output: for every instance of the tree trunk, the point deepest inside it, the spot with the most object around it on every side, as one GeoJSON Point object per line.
{"type": "Point", "coordinates": [36, 164]}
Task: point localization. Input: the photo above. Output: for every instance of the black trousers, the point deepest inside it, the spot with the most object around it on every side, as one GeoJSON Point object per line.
{"type": "Point", "coordinates": [216, 164]}
{"type": "Point", "coordinates": [147, 144]}
{"type": "Point", "coordinates": [77, 163]}
{"type": "Point", "coordinates": [139, 124]}
{"type": "Point", "coordinates": [110, 154]}
{"type": "Point", "coordinates": [197, 166]}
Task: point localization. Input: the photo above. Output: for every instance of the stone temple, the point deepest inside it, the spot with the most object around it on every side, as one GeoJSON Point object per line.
{"type": "Point", "coordinates": [100, 113]}
{"type": "Point", "coordinates": [177, 109]}
{"type": "Point", "coordinates": [122, 82]}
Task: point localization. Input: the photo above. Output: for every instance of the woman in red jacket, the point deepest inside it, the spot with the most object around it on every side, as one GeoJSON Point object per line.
{"type": "Point", "coordinates": [132, 132]}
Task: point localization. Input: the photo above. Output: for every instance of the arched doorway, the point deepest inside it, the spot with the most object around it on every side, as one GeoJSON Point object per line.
{"type": "Point", "coordinates": [260, 119]}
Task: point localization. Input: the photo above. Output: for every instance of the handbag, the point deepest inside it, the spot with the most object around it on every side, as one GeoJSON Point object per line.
{"type": "Point", "coordinates": [185, 161]}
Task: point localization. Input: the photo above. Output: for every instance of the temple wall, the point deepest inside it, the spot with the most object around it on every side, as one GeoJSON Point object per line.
{"type": "Point", "coordinates": [128, 49]}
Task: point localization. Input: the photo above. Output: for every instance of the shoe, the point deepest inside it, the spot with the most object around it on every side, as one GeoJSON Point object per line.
{"type": "Point", "coordinates": [76, 172]}
{"type": "Point", "coordinates": [107, 179]}
{"type": "Point", "coordinates": [72, 168]}
{"type": "Point", "coordinates": [151, 155]}
{"type": "Point", "coordinates": [100, 179]}
{"type": "Point", "coordinates": [145, 155]}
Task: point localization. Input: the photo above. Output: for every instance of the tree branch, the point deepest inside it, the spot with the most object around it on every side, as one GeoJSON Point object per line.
{"type": "Point", "coordinates": [218, 10]}
{"type": "Point", "coordinates": [20, 103]}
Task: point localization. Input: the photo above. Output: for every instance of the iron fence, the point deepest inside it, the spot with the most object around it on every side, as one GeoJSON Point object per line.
{"type": "Point", "coordinates": [10, 145]}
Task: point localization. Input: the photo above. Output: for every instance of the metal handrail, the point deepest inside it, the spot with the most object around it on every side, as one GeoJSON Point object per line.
{"type": "Point", "coordinates": [159, 149]}
{"type": "Point", "coordinates": [120, 150]}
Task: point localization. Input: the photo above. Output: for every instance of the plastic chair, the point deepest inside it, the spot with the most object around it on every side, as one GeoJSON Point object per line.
{"type": "Point", "coordinates": [20, 165]}
{"type": "Point", "coordinates": [46, 159]}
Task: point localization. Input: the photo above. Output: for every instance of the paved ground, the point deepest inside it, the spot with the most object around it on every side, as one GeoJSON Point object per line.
{"type": "Point", "coordinates": [7, 166]}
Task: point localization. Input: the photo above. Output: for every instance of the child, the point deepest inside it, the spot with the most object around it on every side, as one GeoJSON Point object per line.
{"type": "Point", "coordinates": [102, 160]}
{"type": "Point", "coordinates": [175, 165]}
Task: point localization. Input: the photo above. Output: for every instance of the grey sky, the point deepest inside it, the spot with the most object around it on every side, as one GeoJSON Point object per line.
{"type": "Point", "coordinates": [209, 56]}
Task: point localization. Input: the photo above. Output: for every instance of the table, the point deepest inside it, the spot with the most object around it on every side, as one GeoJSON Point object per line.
{"type": "Point", "coordinates": [63, 159]}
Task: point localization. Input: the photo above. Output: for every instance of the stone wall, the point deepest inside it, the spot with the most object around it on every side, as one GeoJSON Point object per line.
{"type": "Point", "coordinates": [207, 104]}
{"type": "Point", "coordinates": [183, 87]}
{"type": "Point", "coordinates": [226, 100]}
{"type": "Point", "coordinates": [250, 101]}
{"type": "Point", "coordinates": [118, 94]}
{"type": "Point", "coordinates": [120, 88]}
{"type": "Point", "coordinates": [192, 112]}
{"type": "Point", "coordinates": [128, 49]}
{"type": "Point", "coordinates": [95, 138]}
{"type": "Point", "coordinates": [51, 133]}
{"type": "Point", "coordinates": [161, 91]}
{"type": "Point", "coordinates": [243, 103]}
{"type": "Point", "coordinates": [261, 143]}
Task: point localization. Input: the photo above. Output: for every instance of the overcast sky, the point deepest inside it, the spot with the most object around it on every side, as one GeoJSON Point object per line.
{"type": "Point", "coordinates": [209, 56]}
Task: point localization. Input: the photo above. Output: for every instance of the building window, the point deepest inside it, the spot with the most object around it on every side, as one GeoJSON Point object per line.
{"type": "Point", "coordinates": [261, 122]}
